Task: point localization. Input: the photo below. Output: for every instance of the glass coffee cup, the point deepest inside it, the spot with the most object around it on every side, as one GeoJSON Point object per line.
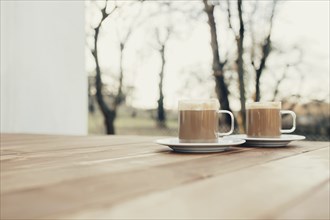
{"type": "Point", "coordinates": [263, 119]}
{"type": "Point", "coordinates": [199, 121]}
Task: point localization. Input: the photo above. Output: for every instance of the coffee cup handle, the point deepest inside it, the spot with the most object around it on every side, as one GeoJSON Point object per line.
{"type": "Point", "coordinates": [232, 122]}
{"type": "Point", "coordinates": [283, 112]}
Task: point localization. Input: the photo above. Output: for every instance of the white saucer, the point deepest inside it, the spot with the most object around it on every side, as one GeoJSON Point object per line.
{"type": "Point", "coordinates": [281, 141]}
{"type": "Point", "coordinates": [221, 145]}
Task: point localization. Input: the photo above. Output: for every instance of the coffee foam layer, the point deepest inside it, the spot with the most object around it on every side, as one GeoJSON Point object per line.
{"type": "Point", "coordinates": [196, 104]}
{"type": "Point", "coordinates": [258, 105]}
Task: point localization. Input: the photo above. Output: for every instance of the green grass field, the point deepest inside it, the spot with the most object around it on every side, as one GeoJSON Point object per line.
{"type": "Point", "coordinates": [125, 124]}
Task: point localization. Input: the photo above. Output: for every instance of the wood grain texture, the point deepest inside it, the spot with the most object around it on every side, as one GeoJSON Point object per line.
{"type": "Point", "coordinates": [259, 192]}
{"type": "Point", "coordinates": [118, 176]}
{"type": "Point", "coordinates": [315, 205]}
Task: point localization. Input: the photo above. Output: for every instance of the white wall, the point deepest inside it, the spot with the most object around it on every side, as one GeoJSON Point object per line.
{"type": "Point", "coordinates": [43, 79]}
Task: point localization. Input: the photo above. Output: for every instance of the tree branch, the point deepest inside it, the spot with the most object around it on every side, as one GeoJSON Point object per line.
{"type": "Point", "coordinates": [252, 53]}
{"type": "Point", "coordinates": [221, 87]}
{"type": "Point", "coordinates": [284, 75]}
{"type": "Point", "coordinates": [231, 27]}
{"type": "Point", "coordinates": [109, 114]}
{"type": "Point", "coordinates": [266, 49]}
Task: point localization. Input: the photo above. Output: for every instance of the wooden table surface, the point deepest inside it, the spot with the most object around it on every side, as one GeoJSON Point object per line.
{"type": "Point", "coordinates": [116, 177]}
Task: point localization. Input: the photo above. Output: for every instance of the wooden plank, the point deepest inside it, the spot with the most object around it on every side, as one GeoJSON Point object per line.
{"type": "Point", "coordinates": [64, 165]}
{"type": "Point", "coordinates": [18, 161]}
{"type": "Point", "coordinates": [258, 192]}
{"type": "Point", "coordinates": [60, 148]}
{"type": "Point", "coordinates": [9, 139]}
{"type": "Point", "coordinates": [73, 163]}
{"type": "Point", "coordinates": [65, 142]}
{"type": "Point", "coordinates": [113, 187]}
{"type": "Point", "coordinates": [53, 170]}
{"type": "Point", "coordinates": [315, 205]}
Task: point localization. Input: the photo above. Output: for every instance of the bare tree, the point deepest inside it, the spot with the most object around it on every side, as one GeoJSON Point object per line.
{"type": "Point", "coordinates": [290, 65]}
{"type": "Point", "coordinates": [258, 63]}
{"type": "Point", "coordinates": [165, 28]}
{"type": "Point", "coordinates": [108, 112]}
{"type": "Point", "coordinates": [240, 62]}
{"type": "Point", "coordinates": [161, 47]}
{"type": "Point", "coordinates": [266, 48]}
{"type": "Point", "coordinates": [239, 37]}
{"type": "Point", "coordinates": [109, 109]}
{"type": "Point", "coordinates": [123, 38]}
{"type": "Point", "coordinates": [218, 64]}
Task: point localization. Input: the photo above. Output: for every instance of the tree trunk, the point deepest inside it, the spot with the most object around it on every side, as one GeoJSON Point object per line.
{"type": "Point", "coordinates": [109, 122]}
{"type": "Point", "coordinates": [91, 107]}
{"type": "Point", "coordinates": [257, 98]}
{"type": "Point", "coordinates": [222, 92]}
{"type": "Point", "coordinates": [108, 114]}
{"type": "Point", "coordinates": [266, 49]}
{"type": "Point", "coordinates": [120, 95]}
{"type": "Point", "coordinates": [217, 67]}
{"type": "Point", "coordinates": [240, 65]}
{"type": "Point", "coordinates": [161, 115]}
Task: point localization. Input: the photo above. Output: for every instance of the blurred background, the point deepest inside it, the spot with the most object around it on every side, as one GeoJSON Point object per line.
{"type": "Point", "coordinates": [120, 67]}
{"type": "Point", "coordinates": [149, 54]}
